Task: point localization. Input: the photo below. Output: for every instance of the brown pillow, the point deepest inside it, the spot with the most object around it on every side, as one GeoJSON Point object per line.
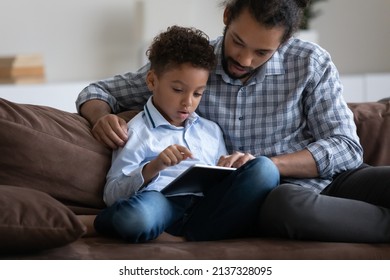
{"type": "Point", "coordinates": [31, 220]}
{"type": "Point", "coordinates": [373, 127]}
{"type": "Point", "coordinates": [52, 151]}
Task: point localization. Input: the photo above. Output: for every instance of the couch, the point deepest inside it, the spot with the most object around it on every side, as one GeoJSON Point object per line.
{"type": "Point", "coordinates": [52, 171]}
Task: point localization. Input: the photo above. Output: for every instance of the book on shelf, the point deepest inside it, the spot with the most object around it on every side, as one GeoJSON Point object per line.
{"type": "Point", "coordinates": [22, 69]}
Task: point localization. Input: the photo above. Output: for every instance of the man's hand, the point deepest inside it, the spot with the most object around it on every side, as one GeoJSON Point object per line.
{"type": "Point", "coordinates": [237, 159]}
{"type": "Point", "coordinates": [110, 130]}
{"type": "Point", "coordinates": [107, 128]}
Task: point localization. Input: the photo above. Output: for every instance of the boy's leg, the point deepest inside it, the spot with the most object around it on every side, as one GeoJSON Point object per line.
{"type": "Point", "coordinates": [228, 210]}
{"type": "Point", "coordinates": [291, 211]}
{"type": "Point", "coordinates": [140, 218]}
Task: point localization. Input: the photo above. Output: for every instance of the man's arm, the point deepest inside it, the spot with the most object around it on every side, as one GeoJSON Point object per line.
{"type": "Point", "coordinates": [328, 121]}
{"type": "Point", "coordinates": [94, 109]}
{"type": "Point", "coordinates": [297, 165]}
{"type": "Point", "coordinates": [104, 104]}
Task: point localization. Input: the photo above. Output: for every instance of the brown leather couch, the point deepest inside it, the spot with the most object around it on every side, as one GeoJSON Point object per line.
{"type": "Point", "coordinates": [52, 169]}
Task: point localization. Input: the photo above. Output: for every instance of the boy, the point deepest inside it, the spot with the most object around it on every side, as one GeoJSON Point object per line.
{"type": "Point", "coordinates": [164, 140]}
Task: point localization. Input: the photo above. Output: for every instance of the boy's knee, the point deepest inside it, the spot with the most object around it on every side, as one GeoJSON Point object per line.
{"type": "Point", "coordinates": [132, 224]}
{"type": "Point", "coordinates": [265, 172]}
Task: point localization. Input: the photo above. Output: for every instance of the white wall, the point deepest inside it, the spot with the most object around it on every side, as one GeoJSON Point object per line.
{"type": "Point", "coordinates": [92, 39]}
{"type": "Point", "coordinates": [366, 87]}
{"type": "Point", "coordinates": [158, 15]}
{"type": "Point", "coordinates": [356, 33]}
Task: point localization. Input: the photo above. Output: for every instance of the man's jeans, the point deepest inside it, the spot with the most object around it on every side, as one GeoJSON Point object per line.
{"type": "Point", "coordinates": [227, 210]}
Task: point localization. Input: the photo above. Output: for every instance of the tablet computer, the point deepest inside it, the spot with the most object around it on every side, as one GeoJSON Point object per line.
{"type": "Point", "coordinates": [197, 178]}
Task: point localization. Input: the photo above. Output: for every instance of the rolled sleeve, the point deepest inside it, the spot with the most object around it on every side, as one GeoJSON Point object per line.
{"type": "Point", "coordinates": [335, 155]}
{"type": "Point", "coordinates": [336, 147]}
{"type": "Point", "coordinates": [121, 92]}
{"type": "Point", "coordinates": [125, 185]}
{"type": "Point", "coordinates": [95, 91]}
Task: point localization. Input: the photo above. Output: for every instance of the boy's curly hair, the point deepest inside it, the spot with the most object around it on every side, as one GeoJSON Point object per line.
{"type": "Point", "coordinates": [179, 45]}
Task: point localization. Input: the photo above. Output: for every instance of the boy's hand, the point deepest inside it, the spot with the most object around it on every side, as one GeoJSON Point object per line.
{"type": "Point", "coordinates": [237, 159]}
{"type": "Point", "coordinates": [171, 156]}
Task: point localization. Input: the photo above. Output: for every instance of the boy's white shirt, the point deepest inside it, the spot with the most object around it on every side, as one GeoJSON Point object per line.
{"type": "Point", "coordinates": [149, 134]}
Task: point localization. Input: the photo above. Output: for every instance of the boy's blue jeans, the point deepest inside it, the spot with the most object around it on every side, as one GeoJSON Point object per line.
{"type": "Point", "coordinates": [227, 210]}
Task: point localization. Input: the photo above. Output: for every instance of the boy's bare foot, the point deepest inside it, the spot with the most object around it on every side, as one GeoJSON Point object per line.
{"type": "Point", "coordinates": [88, 220]}
{"type": "Point", "coordinates": [166, 237]}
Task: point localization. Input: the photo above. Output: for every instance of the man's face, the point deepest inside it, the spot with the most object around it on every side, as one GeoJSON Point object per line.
{"type": "Point", "coordinates": [248, 45]}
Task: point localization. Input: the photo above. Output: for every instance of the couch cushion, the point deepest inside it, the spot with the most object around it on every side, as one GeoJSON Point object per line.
{"type": "Point", "coordinates": [32, 220]}
{"type": "Point", "coordinates": [52, 151]}
{"type": "Point", "coordinates": [373, 127]}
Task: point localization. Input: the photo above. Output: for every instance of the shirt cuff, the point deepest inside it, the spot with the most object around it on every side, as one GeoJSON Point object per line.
{"type": "Point", "coordinates": [323, 160]}
{"type": "Point", "coordinates": [137, 177]}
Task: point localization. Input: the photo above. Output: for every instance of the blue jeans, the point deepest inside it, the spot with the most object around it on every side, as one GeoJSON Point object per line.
{"type": "Point", "coordinates": [227, 210]}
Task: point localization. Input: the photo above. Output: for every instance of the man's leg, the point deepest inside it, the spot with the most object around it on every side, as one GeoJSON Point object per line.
{"type": "Point", "coordinates": [228, 210]}
{"type": "Point", "coordinates": [291, 211]}
{"type": "Point", "coordinates": [369, 184]}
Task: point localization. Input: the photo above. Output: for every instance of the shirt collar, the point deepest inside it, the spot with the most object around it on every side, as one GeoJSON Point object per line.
{"type": "Point", "coordinates": [155, 119]}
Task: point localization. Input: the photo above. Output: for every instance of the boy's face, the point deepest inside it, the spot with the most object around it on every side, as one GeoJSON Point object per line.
{"type": "Point", "coordinates": [178, 91]}
{"type": "Point", "coordinates": [248, 44]}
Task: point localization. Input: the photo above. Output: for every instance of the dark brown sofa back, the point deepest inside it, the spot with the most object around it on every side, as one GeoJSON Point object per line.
{"type": "Point", "coordinates": [373, 127]}
{"type": "Point", "coordinates": [54, 151]}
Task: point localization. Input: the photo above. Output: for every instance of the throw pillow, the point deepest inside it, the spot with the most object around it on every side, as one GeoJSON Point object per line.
{"type": "Point", "coordinates": [31, 220]}
{"type": "Point", "coordinates": [52, 151]}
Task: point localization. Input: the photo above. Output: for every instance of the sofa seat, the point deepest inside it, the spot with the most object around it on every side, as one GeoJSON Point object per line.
{"type": "Point", "coordinates": [101, 248]}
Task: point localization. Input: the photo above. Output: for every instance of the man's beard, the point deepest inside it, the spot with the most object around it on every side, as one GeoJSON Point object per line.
{"type": "Point", "coordinates": [228, 60]}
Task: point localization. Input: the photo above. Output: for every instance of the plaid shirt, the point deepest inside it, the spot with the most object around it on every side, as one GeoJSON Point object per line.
{"type": "Point", "coordinates": [292, 102]}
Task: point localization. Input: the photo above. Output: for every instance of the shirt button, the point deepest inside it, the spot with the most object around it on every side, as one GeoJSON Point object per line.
{"type": "Point", "coordinates": [241, 118]}
{"type": "Point", "coordinates": [241, 148]}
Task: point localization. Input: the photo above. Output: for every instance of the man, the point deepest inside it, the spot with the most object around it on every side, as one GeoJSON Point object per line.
{"type": "Point", "coordinates": [279, 97]}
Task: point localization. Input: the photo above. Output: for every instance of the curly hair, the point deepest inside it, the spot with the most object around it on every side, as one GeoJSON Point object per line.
{"type": "Point", "coordinates": [271, 13]}
{"type": "Point", "coordinates": [179, 45]}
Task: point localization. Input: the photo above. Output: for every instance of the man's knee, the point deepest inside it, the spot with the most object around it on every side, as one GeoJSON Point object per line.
{"type": "Point", "coordinates": [283, 210]}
